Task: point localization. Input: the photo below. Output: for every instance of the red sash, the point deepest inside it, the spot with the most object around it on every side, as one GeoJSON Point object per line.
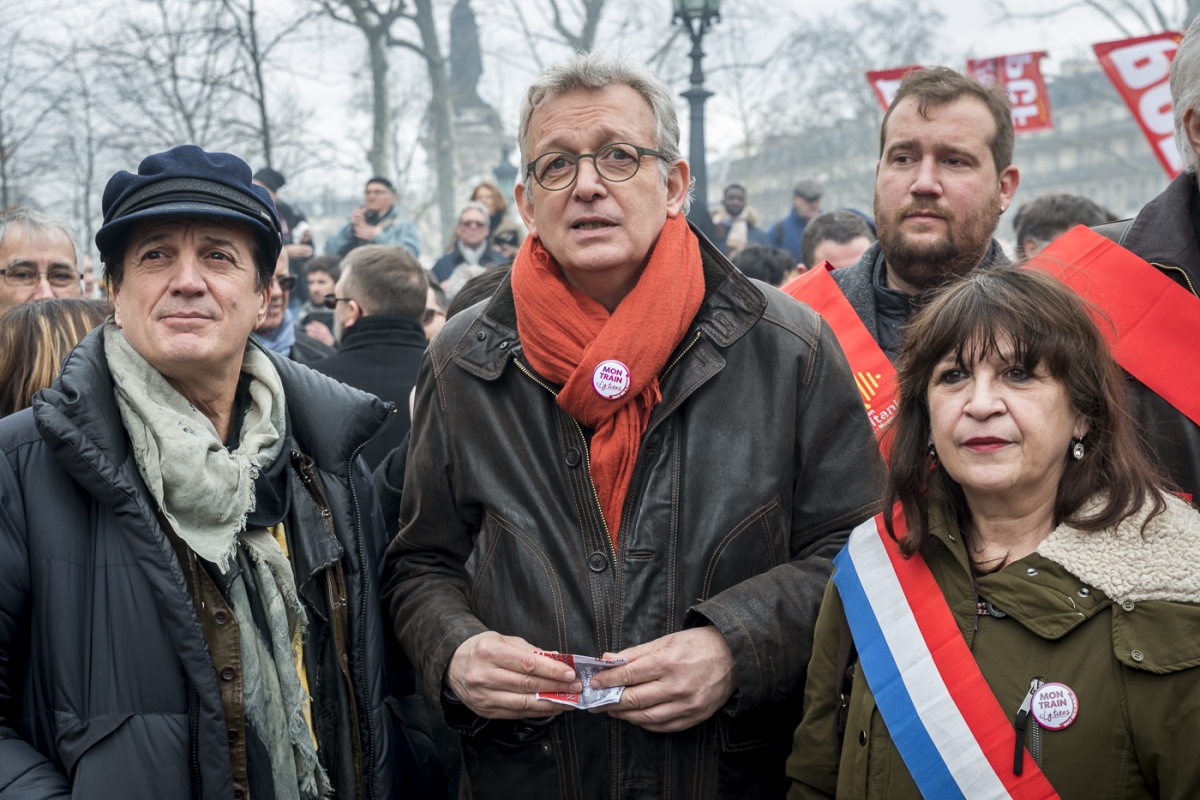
{"type": "Point", "coordinates": [874, 374]}
{"type": "Point", "coordinates": [1153, 324]}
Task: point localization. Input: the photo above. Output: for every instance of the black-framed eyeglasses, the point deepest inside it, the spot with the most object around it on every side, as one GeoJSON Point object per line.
{"type": "Point", "coordinates": [285, 283]}
{"type": "Point", "coordinates": [430, 314]}
{"type": "Point", "coordinates": [24, 276]}
{"type": "Point", "coordinates": [614, 163]}
{"type": "Point", "coordinates": [331, 302]}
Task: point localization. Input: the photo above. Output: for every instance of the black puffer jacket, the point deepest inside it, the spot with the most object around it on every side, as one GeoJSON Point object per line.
{"type": "Point", "coordinates": [107, 686]}
{"type": "Point", "coordinates": [755, 465]}
{"type": "Point", "coordinates": [1165, 234]}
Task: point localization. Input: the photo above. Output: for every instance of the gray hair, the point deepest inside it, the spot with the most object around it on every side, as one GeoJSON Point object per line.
{"type": "Point", "coordinates": [1185, 88]}
{"type": "Point", "coordinates": [595, 72]}
{"type": "Point", "coordinates": [475, 206]}
{"type": "Point", "coordinates": [38, 226]}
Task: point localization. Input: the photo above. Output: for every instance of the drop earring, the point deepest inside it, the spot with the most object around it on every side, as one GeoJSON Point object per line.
{"type": "Point", "coordinates": [933, 456]}
{"type": "Point", "coordinates": [1077, 449]}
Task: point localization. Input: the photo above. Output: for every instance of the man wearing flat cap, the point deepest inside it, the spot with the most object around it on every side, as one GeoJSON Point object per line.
{"type": "Point", "coordinates": [189, 542]}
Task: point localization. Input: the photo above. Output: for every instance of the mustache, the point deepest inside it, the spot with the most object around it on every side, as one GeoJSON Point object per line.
{"type": "Point", "coordinates": [925, 205]}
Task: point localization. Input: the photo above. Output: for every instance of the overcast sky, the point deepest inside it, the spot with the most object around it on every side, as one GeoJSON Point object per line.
{"type": "Point", "coordinates": [325, 71]}
{"type": "Point", "coordinates": [325, 78]}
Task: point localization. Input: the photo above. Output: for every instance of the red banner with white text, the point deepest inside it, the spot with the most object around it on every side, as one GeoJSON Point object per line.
{"type": "Point", "coordinates": [886, 82]}
{"type": "Point", "coordinates": [1140, 69]}
{"type": "Point", "coordinates": [1021, 77]}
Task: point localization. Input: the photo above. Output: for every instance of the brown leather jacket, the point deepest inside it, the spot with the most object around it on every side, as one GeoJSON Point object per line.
{"type": "Point", "coordinates": [755, 465]}
{"type": "Point", "coordinates": [1165, 234]}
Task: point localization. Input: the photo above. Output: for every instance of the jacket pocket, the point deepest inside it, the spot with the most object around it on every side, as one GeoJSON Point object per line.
{"type": "Point", "coordinates": [514, 586]}
{"type": "Point", "coordinates": [131, 756]}
{"type": "Point", "coordinates": [514, 763]}
{"type": "Point", "coordinates": [75, 736]}
{"type": "Point", "coordinates": [756, 544]}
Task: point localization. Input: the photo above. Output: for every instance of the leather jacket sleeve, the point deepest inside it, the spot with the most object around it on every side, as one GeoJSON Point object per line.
{"type": "Point", "coordinates": [425, 593]}
{"type": "Point", "coordinates": [769, 619]}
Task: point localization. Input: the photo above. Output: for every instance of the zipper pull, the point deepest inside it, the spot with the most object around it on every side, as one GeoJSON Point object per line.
{"type": "Point", "coordinates": [1020, 724]}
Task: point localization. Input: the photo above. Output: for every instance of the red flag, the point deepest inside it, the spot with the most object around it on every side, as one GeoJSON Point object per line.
{"type": "Point", "coordinates": [1140, 69]}
{"type": "Point", "coordinates": [1021, 76]}
{"type": "Point", "coordinates": [886, 82]}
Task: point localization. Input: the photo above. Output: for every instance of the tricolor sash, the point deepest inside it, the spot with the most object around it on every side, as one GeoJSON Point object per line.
{"type": "Point", "coordinates": [874, 374]}
{"type": "Point", "coordinates": [954, 737]}
{"type": "Point", "coordinates": [1156, 321]}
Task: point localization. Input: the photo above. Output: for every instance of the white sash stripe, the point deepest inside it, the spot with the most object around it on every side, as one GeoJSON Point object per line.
{"type": "Point", "coordinates": [936, 708]}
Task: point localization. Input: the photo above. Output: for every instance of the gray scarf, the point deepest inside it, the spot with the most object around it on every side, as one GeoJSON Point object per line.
{"type": "Point", "coordinates": [205, 492]}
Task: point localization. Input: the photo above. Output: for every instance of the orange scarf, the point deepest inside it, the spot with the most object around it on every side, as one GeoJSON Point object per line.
{"type": "Point", "coordinates": [566, 335]}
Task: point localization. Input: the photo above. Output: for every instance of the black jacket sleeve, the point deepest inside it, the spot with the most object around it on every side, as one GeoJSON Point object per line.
{"type": "Point", "coordinates": [25, 773]}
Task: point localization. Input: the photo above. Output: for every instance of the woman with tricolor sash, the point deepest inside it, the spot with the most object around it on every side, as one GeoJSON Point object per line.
{"type": "Point", "coordinates": [1025, 621]}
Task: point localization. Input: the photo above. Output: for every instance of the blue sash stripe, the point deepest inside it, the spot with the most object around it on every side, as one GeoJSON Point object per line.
{"type": "Point", "coordinates": [904, 725]}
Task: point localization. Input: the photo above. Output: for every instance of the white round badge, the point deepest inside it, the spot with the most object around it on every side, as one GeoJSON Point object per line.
{"type": "Point", "coordinates": [611, 379]}
{"type": "Point", "coordinates": [1054, 706]}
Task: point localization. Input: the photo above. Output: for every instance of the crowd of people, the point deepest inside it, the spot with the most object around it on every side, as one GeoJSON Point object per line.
{"type": "Point", "coordinates": [848, 505]}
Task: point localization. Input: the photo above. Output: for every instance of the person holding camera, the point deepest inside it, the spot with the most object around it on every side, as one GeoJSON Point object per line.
{"type": "Point", "coordinates": [376, 221]}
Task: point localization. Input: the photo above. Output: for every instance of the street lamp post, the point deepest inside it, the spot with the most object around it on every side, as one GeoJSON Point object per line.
{"type": "Point", "coordinates": [698, 16]}
{"type": "Point", "coordinates": [506, 176]}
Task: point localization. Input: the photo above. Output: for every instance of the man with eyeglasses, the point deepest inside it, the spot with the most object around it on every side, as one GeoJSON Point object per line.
{"type": "Point", "coordinates": [38, 258]}
{"type": "Point", "coordinates": [376, 221]}
{"type": "Point", "coordinates": [278, 331]}
{"type": "Point", "coordinates": [631, 451]}
{"type": "Point", "coordinates": [379, 307]}
{"type": "Point", "coordinates": [470, 243]}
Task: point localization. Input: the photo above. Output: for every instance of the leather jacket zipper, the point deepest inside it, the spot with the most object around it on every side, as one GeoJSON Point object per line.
{"type": "Point", "coordinates": [679, 357]}
{"type": "Point", "coordinates": [1188, 279]}
{"type": "Point", "coordinates": [587, 459]}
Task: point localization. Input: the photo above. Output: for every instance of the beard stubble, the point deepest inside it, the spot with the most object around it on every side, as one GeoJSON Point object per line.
{"type": "Point", "coordinates": [956, 253]}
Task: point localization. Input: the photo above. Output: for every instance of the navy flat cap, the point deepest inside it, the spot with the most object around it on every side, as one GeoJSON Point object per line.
{"type": "Point", "coordinates": [186, 181]}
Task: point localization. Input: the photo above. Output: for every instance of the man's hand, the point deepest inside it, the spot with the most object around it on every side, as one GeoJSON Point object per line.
{"type": "Point", "coordinates": [298, 250]}
{"type": "Point", "coordinates": [362, 228]}
{"type": "Point", "coordinates": [498, 677]}
{"type": "Point", "coordinates": [674, 682]}
{"type": "Point", "coordinates": [320, 331]}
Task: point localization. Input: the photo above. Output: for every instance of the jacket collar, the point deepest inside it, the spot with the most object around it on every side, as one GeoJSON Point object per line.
{"type": "Point", "coordinates": [1164, 233]}
{"type": "Point", "coordinates": [1035, 591]}
{"type": "Point", "coordinates": [388, 329]}
{"type": "Point", "coordinates": [79, 419]}
{"type": "Point", "coordinates": [732, 305]}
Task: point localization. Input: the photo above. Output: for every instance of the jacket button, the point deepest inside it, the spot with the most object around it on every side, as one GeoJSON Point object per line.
{"type": "Point", "coordinates": [573, 457]}
{"type": "Point", "coordinates": [1127, 605]}
{"type": "Point", "coordinates": [1031, 572]}
{"type": "Point", "coordinates": [221, 617]}
{"type": "Point", "coordinates": [232, 735]}
{"type": "Point", "coordinates": [1136, 655]}
{"type": "Point", "coordinates": [239, 791]}
{"type": "Point", "coordinates": [228, 674]}
{"type": "Point", "coordinates": [1084, 592]}
{"type": "Point", "coordinates": [545, 747]}
{"type": "Point", "coordinates": [481, 336]}
{"type": "Point", "coordinates": [597, 562]}
{"type": "Point", "coordinates": [862, 738]}
{"type": "Point", "coordinates": [504, 345]}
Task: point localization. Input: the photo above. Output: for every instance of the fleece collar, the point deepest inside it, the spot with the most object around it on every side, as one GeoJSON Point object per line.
{"type": "Point", "coordinates": [1127, 563]}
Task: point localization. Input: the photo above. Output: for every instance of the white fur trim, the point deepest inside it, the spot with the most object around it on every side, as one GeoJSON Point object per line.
{"type": "Point", "coordinates": [1162, 564]}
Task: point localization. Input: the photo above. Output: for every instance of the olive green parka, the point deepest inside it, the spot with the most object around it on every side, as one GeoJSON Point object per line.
{"type": "Point", "coordinates": [1114, 615]}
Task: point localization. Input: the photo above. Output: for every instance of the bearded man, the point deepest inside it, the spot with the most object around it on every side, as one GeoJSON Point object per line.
{"type": "Point", "coordinates": [630, 450]}
{"type": "Point", "coordinates": [189, 542]}
{"type": "Point", "coordinates": [944, 177]}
